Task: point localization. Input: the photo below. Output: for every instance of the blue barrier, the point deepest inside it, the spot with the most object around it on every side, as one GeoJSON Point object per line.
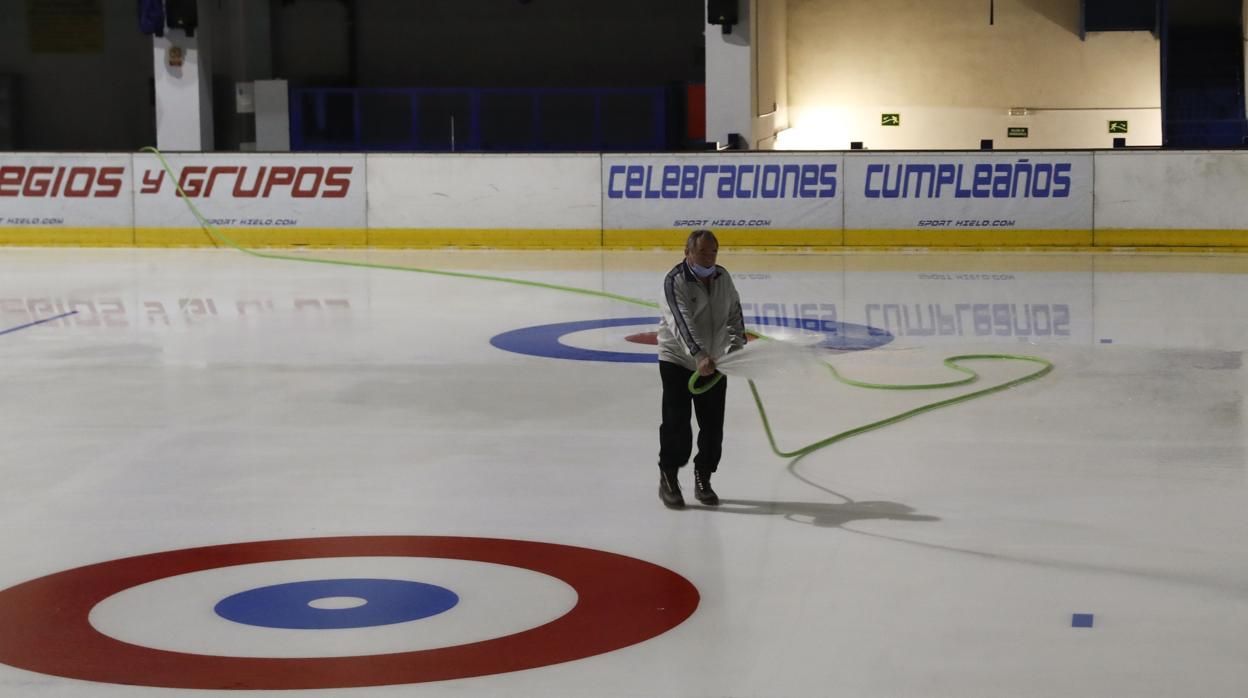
{"type": "Point", "coordinates": [481, 120]}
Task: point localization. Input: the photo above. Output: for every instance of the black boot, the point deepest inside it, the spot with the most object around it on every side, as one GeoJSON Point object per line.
{"type": "Point", "coordinates": [669, 490]}
{"type": "Point", "coordinates": [702, 488]}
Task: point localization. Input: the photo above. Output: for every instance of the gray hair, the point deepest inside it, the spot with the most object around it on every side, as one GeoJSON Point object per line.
{"type": "Point", "coordinates": [698, 235]}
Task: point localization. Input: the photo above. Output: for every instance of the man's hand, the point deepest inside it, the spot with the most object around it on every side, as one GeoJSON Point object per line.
{"type": "Point", "coordinates": [706, 366]}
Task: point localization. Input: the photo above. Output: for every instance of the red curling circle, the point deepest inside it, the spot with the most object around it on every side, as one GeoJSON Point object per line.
{"type": "Point", "coordinates": [621, 601]}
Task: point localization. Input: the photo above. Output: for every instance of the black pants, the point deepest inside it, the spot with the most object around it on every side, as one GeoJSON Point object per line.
{"type": "Point", "coordinates": [675, 434]}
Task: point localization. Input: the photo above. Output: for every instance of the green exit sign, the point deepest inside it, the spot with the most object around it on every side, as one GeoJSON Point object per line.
{"type": "Point", "coordinates": [1017, 132]}
{"type": "Point", "coordinates": [890, 119]}
{"type": "Point", "coordinates": [1117, 127]}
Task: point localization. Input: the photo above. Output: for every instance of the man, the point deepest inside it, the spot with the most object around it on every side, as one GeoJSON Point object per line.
{"type": "Point", "coordinates": [701, 322]}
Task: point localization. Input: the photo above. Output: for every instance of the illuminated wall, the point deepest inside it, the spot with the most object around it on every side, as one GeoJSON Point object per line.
{"type": "Point", "coordinates": [953, 70]}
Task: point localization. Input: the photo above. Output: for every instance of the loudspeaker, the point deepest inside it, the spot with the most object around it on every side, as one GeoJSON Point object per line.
{"type": "Point", "coordinates": [722, 12]}
{"type": "Point", "coordinates": [1120, 142]}
{"type": "Point", "coordinates": [855, 145]}
{"type": "Point", "coordinates": [182, 14]}
{"type": "Point", "coordinates": [985, 144]}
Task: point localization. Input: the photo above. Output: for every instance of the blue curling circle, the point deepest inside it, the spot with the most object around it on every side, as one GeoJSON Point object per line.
{"type": "Point", "coordinates": [387, 601]}
{"type": "Point", "coordinates": [545, 340]}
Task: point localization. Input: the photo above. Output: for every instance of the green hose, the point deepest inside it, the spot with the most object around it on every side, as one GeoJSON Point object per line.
{"type": "Point", "coordinates": [1046, 366]}
{"type": "Point", "coordinates": [699, 389]}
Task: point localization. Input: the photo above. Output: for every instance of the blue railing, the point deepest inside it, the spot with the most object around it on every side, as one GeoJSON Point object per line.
{"type": "Point", "coordinates": [483, 120]}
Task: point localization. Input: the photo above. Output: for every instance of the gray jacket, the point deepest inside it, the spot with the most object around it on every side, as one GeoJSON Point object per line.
{"type": "Point", "coordinates": [699, 320]}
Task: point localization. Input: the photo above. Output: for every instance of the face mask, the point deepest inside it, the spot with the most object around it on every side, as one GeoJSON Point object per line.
{"type": "Point", "coordinates": [702, 272]}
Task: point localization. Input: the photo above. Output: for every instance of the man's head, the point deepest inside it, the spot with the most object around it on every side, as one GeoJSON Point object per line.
{"type": "Point", "coordinates": [701, 249]}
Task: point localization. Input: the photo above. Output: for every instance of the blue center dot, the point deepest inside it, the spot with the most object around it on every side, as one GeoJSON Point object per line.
{"type": "Point", "coordinates": [336, 603]}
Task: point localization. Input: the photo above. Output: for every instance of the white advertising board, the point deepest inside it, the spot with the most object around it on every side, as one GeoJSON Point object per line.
{"type": "Point", "coordinates": [470, 191]}
{"type": "Point", "coordinates": [587, 200]}
{"type": "Point", "coordinates": [1171, 190]}
{"type": "Point", "coordinates": [960, 191]}
{"type": "Point", "coordinates": [788, 191]}
{"type": "Point", "coordinates": [271, 191]}
{"type": "Point", "coordinates": [65, 191]}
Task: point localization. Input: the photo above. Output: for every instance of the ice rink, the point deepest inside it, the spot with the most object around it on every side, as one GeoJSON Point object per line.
{"type": "Point", "coordinates": [497, 441]}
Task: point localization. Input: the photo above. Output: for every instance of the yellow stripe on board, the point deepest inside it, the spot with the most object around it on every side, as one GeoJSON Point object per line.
{"type": "Point", "coordinates": [1172, 238]}
{"type": "Point", "coordinates": [61, 236]}
{"type": "Point", "coordinates": [253, 237]}
{"type": "Point", "coordinates": [549, 238]}
{"type": "Point", "coordinates": [728, 237]}
{"type": "Point", "coordinates": [987, 237]}
{"type": "Point", "coordinates": [759, 239]}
